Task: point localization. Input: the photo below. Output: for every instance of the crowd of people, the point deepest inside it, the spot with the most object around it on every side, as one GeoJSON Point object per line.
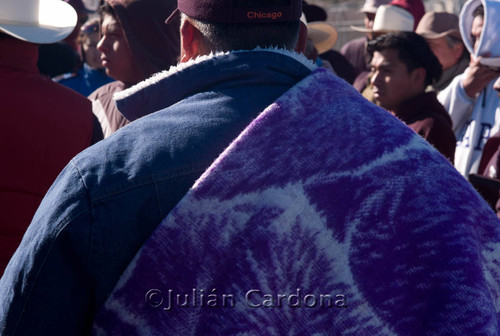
{"type": "Point", "coordinates": [186, 146]}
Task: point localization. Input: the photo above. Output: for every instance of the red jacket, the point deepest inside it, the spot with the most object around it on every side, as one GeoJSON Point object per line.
{"type": "Point", "coordinates": [42, 126]}
{"type": "Point", "coordinates": [427, 117]}
{"type": "Point", "coordinates": [489, 166]}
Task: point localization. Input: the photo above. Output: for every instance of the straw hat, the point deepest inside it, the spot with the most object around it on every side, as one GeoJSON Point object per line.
{"type": "Point", "coordinates": [323, 35]}
{"type": "Point", "coordinates": [37, 21]}
{"type": "Point", "coordinates": [489, 42]}
{"type": "Point", "coordinates": [389, 19]}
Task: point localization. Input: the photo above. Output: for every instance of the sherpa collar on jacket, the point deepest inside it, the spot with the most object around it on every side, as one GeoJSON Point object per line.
{"type": "Point", "coordinates": [261, 66]}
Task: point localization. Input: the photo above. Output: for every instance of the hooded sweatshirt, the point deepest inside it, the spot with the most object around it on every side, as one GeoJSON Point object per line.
{"type": "Point", "coordinates": [154, 46]}
{"type": "Point", "coordinates": [475, 119]}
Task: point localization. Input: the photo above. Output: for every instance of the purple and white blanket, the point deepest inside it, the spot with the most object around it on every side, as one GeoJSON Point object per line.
{"type": "Point", "coordinates": [327, 216]}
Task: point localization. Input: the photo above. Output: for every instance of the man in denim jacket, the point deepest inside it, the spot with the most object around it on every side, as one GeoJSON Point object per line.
{"type": "Point", "coordinates": [109, 199]}
{"type": "Point", "coordinates": [112, 197]}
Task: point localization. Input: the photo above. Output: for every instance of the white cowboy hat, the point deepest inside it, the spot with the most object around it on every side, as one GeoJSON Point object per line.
{"type": "Point", "coordinates": [322, 35]}
{"type": "Point", "coordinates": [370, 6]}
{"type": "Point", "coordinates": [389, 19]}
{"type": "Point", "coordinates": [37, 21]}
{"type": "Point", "coordinates": [489, 42]}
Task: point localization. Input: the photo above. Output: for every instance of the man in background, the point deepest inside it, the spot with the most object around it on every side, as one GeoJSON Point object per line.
{"type": "Point", "coordinates": [91, 75]}
{"type": "Point", "coordinates": [388, 19]}
{"type": "Point", "coordinates": [43, 123]}
{"type": "Point", "coordinates": [355, 50]}
{"type": "Point", "coordinates": [470, 99]}
{"type": "Point", "coordinates": [135, 43]}
{"type": "Point", "coordinates": [440, 30]}
{"type": "Point", "coordinates": [403, 65]}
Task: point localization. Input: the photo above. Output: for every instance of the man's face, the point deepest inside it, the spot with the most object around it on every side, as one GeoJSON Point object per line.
{"type": "Point", "coordinates": [369, 17]}
{"type": "Point", "coordinates": [89, 46]}
{"type": "Point", "coordinates": [368, 20]}
{"type": "Point", "coordinates": [447, 56]}
{"type": "Point", "coordinates": [116, 56]}
{"type": "Point", "coordinates": [392, 83]}
{"type": "Point", "coordinates": [477, 28]}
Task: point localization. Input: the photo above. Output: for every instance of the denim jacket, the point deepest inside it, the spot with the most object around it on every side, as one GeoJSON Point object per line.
{"type": "Point", "coordinates": [111, 197]}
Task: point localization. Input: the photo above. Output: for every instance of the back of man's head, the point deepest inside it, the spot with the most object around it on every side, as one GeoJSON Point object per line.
{"type": "Point", "coordinates": [413, 51]}
{"type": "Point", "coordinates": [244, 24]}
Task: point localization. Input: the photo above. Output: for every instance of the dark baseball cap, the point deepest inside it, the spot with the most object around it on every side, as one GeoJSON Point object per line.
{"type": "Point", "coordinates": [239, 11]}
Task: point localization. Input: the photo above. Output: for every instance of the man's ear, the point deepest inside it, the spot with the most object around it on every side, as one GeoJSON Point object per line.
{"type": "Point", "coordinates": [300, 47]}
{"type": "Point", "coordinates": [189, 41]}
{"type": "Point", "coordinates": [418, 78]}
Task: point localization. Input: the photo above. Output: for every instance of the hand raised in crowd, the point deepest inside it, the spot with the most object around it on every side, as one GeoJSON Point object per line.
{"type": "Point", "coordinates": [477, 77]}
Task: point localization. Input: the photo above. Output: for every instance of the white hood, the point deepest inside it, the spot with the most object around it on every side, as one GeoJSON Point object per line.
{"type": "Point", "coordinates": [490, 38]}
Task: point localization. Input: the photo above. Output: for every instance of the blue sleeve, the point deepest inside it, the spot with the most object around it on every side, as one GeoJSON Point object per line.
{"type": "Point", "coordinates": [47, 287]}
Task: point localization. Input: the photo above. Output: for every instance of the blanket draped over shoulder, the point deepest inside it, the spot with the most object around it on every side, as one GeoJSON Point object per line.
{"type": "Point", "coordinates": [326, 216]}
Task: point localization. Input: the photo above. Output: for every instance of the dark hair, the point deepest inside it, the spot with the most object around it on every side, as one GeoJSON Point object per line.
{"type": "Point", "coordinates": [55, 59]}
{"type": "Point", "coordinates": [313, 12]}
{"type": "Point", "coordinates": [226, 37]}
{"type": "Point", "coordinates": [413, 51]}
{"type": "Point", "coordinates": [106, 9]}
{"type": "Point", "coordinates": [451, 41]}
{"type": "Point", "coordinates": [479, 11]}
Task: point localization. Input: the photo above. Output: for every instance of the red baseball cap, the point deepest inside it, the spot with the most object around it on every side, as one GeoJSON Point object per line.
{"type": "Point", "coordinates": [237, 11]}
